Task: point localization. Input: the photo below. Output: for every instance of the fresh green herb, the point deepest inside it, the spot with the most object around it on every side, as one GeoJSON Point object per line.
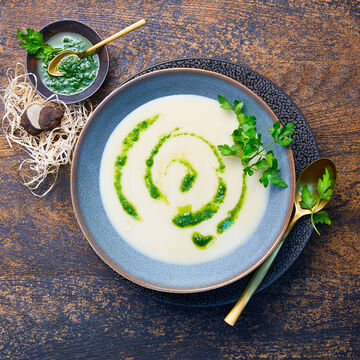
{"type": "Point", "coordinates": [310, 200]}
{"type": "Point", "coordinates": [249, 147]}
{"type": "Point", "coordinates": [33, 42]}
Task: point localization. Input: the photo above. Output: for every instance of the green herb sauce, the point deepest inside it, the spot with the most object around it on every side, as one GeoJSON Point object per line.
{"type": "Point", "coordinates": [234, 213]}
{"type": "Point", "coordinates": [201, 241]}
{"type": "Point", "coordinates": [69, 65]}
{"type": "Point", "coordinates": [128, 142]}
{"type": "Point", "coordinates": [186, 217]}
{"type": "Point", "coordinates": [78, 74]}
{"type": "Point", "coordinates": [154, 191]}
{"type": "Point", "coordinates": [190, 177]}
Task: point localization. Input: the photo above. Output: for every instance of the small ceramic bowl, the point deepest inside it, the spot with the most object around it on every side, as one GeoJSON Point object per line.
{"type": "Point", "coordinates": [84, 30]}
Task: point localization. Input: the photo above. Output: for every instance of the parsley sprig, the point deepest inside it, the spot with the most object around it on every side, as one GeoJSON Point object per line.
{"type": "Point", "coordinates": [249, 147]}
{"type": "Point", "coordinates": [33, 42]}
{"type": "Point", "coordinates": [310, 200]}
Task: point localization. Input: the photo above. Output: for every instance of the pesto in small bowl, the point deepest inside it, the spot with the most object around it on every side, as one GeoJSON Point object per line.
{"type": "Point", "coordinates": [77, 84]}
{"type": "Point", "coordinates": [78, 74]}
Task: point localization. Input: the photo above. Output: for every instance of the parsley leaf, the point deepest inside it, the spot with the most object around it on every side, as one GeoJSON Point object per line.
{"type": "Point", "coordinates": [226, 150]}
{"type": "Point", "coordinates": [238, 106]}
{"type": "Point", "coordinates": [277, 181]}
{"type": "Point", "coordinates": [248, 145]}
{"type": "Point", "coordinates": [324, 186]}
{"type": "Point", "coordinates": [33, 42]}
{"type": "Point", "coordinates": [322, 217]}
{"type": "Point", "coordinates": [224, 104]}
{"type": "Point", "coordinates": [310, 200]}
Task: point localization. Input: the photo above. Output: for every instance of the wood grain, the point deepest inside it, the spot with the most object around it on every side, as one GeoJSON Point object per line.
{"type": "Point", "coordinates": [57, 300]}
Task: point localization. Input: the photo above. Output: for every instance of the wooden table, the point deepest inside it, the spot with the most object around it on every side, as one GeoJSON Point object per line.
{"type": "Point", "coordinates": [58, 301]}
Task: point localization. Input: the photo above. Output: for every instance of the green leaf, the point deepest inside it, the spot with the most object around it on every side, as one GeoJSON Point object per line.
{"type": "Point", "coordinates": [20, 34]}
{"type": "Point", "coordinates": [271, 171]}
{"type": "Point", "coordinates": [226, 150]}
{"type": "Point", "coordinates": [235, 148]}
{"type": "Point", "coordinates": [287, 130]}
{"type": "Point", "coordinates": [30, 32]}
{"type": "Point", "coordinates": [242, 118]}
{"type": "Point", "coordinates": [277, 181]}
{"type": "Point", "coordinates": [245, 160]}
{"type": "Point", "coordinates": [275, 130]}
{"type": "Point", "coordinates": [267, 174]}
{"type": "Point", "coordinates": [270, 157]}
{"type": "Point", "coordinates": [247, 170]}
{"type": "Point", "coordinates": [238, 106]}
{"type": "Point", "coordinates": [238, 137]}
{"type": "Point", "coordinates": [324, 186]}
{"type": "Point", "coordinates": [33, 42]}
{"type": "Point", "coordinates": [285, 142]}
{"type": "Point", "coordinates": [264, 180]}
{"type": "Point", "coordinates": [251, 120]}
{"type": "Point", "coordinates": [308, 200]}
{"type": "Point", "coordinates": [261, 164]}
{"type": "Point", "coordinates": [249, 149]}
{"type": "Point", "coordinates": [224, 104]}
{"type": "Point", "coordinates": [322, 217]}
{"type": "Point", "coordinates": [247, 128]}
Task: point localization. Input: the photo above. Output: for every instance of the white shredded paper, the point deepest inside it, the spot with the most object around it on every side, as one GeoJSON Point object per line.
{"type": "Point", "coordinates": [49, 150]}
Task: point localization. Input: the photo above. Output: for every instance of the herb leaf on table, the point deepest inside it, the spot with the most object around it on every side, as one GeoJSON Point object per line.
{"type": "Point", "coordinates": [33, 42]}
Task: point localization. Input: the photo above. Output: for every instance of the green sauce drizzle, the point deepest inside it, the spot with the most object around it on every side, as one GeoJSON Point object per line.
{"type": "Point", "coordinates": [128, 142]}
{"type": "Point", "coordinates": [154, 191]}
{"type": "Point", "coordinates": [187, 218]}
{"type": "Point", "coordinates": [200, 240]}
{"type": "Point", "coordinates": [233, 213]}
{"type": "Point", "coordinates": [190, 177]}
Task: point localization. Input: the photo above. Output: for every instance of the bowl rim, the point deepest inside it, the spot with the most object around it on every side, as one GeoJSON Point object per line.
{"type": "Point", "coordinates": [93, 243]}
{"type": "Point", "coordinates": [56, 95]}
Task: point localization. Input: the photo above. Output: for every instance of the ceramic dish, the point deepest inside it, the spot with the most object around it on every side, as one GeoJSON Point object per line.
{"type": "Point", "coordinates": [86, 31]}
{"type": "Point", "coordinates": [97, 228]}
{"type": "Point", "coordinates": [304, 150]}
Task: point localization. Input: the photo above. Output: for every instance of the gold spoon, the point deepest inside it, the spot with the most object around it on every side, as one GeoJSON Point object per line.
{"type": "Point", "coordinates": [309, 177]}
{"type": "Point", "coordinates": [54, 63]}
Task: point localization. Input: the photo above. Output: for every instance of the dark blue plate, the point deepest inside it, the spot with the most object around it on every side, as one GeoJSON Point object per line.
{"type": "Point", "coordinates": [98, 230]}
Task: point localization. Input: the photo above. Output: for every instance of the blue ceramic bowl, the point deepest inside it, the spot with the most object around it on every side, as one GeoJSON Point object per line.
{"type": "Point", "coordinates": [91, 215]}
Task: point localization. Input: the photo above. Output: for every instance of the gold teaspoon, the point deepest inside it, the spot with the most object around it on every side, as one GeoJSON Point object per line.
{"type": "Point", "coordinates": [53, 65]}
{"type": "Point", "coordinates": [309, 176]}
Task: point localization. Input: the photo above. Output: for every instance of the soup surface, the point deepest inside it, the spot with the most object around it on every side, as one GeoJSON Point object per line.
{"type": "Point", "coordinates": [166, 188]}
{"type": "Point", "coordinates": [79, 74]}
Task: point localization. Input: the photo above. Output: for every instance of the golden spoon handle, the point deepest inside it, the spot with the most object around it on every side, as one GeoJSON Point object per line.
{"type": "Point", "coordinates": [115, 36]}
{"type": "Point", "coordinates": [257, 278]}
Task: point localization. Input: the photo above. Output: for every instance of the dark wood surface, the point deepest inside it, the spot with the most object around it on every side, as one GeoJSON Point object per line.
{"type": "Point", "coordinates": [58, 301]}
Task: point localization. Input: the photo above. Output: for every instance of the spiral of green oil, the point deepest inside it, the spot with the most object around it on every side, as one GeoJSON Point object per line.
{"type": "Point", "coordinates": [186, 217]}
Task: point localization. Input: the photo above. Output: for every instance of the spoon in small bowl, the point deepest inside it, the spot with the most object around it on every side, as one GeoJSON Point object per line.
{"type": "Point", "coordinates": [54, 63]}
{"type": "Point", "coordinates": [309, 176]}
